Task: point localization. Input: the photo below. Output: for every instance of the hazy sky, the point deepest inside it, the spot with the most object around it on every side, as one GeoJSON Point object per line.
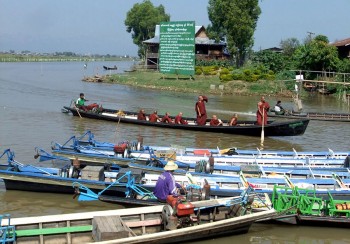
{"type": "Point", "coordinates": [97, 27]}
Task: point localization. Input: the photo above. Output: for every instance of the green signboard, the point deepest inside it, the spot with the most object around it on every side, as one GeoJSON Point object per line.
{"type": "Point", "coordinates": [177, 47]}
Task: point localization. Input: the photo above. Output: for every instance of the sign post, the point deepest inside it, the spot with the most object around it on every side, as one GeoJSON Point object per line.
{"type": "Point", "coordinates": [177, 47]}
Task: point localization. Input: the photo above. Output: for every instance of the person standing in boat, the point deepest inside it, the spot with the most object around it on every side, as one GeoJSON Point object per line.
{"type": "Point", "coordinates": [180, 120]}
{"type": "Point", "coordinates": [141, 115]}
{"type": "Point", "coordinates": [166, 184]}
{"type": "Point", "coordinates": [154, 117]}
{"type": "Point", "coordinates": [261, 113]}
{"type": "Point", "coordinates": [201, 110]}
{"type": "Point", "coordinates": [167, 119]}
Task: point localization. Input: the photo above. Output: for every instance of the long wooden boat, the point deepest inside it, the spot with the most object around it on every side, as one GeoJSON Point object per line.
{"type": "Point", "coordinates": [88, 139]}
{"type": "Point", "coordinates": [168, 223]}
{"type": "Point", "coordinates": [17, 176]}
{"type": "Point", "coordinates": [249, 128]}
{"type": "Point", "coordinates": [338, 117]}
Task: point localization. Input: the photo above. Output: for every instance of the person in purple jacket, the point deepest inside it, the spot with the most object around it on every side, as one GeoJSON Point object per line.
{"type": "Point", "coordinates": [166, 184]}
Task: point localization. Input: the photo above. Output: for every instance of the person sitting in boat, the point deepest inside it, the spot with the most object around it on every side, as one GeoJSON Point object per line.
{"type": "Point", "coordinates": [233, 120]}
{"type": "Point", "coordinates": [279, 110]}
{"type": "Point", "coordinates": [80, 103]}
{"type": "Point", "coordinates": [167, 119]}
{"type": "Point", "coordinates": [215, 121]}
{"type": "Point", "coordinates": [166, 184]}
{"type": "Point", "coordinates": [141, 115]}
{"type": "Point", "coordinates": [180, 120]}
{"type": "Point", "coordinates": [154, 117]}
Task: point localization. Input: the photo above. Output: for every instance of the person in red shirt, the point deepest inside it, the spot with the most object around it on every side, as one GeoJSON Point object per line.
{"type": "Point", "coordinates": [201, 110]}
{"type": "Point", "coordinates": [215, 121]}
{"type": "Point", "coordinates": [261, 113]}
{"type": "Point", "coordinates": [141, 115]}
{"type": "Point", "coordinates": [167, 119]}
{"type": "Point", "coordinates": [180, 120]}
{"type": "Point", "coordinates": [233, 120]}
{"type": "Point", "coordinates": [154, 117]}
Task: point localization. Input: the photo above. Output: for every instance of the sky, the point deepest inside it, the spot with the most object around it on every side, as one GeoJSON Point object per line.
{"type": "Point", "coordinates": [97, 27]}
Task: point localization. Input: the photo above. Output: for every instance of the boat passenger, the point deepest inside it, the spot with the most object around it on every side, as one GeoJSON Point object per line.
{"type": "Point", "coordinates": [166, 184]}
{"type": "Point", "coordinates": [180, 120]}
{"type": "Point", "coordinates": [167, 119]}
{"type": "Point", "coordinates": [201, 110]}
{"type": "Point", "coordinates": [154, 117]}
{"type": "Point", "coordinates": [215, 121]}
{"type": "Point", "coordinates": [80, 103]}
{"type": "Point", "coordinates": [233, 120]}
{"type": "Point", "coordinates": [141, 115]}
{"type": "Point", "coordinates": [261, 113]}
{"type": "Point", "coordinates": [279, 110]}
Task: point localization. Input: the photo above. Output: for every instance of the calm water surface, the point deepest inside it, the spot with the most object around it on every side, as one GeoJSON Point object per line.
{"type": "Point", "coordinates": [31, 98]}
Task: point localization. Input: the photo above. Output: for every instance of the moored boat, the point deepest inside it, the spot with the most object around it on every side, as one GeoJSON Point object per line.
{"type": "Point", "coordinates": [335, 117]}
{"type": "Point", "coordinates": [174, 222]}
{"type": "Point", "coordinates": [249, 128]}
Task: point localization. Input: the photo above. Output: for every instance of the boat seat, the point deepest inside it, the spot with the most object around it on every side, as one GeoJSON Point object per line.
{"type": "Point", "coordinates": [52, 231]}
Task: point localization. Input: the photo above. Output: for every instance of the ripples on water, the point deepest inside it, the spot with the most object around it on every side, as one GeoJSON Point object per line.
{"type": "Point", "coordinates": [32, 95]}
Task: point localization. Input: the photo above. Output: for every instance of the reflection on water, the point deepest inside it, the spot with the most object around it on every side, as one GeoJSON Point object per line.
{"type": "Point", "coordinates": [30, 112]}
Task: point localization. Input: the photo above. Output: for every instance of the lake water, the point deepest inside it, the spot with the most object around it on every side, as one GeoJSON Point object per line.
{"type": "Point", "coordinates": [31, 98]}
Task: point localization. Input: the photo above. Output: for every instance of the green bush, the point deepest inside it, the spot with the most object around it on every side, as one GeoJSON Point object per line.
{"type": "Point", "coordinates": [226, 77]}
{"type": "Point", "coordinates": [224, 71]}
{"type": "Point", "coordinates": [198, 70]}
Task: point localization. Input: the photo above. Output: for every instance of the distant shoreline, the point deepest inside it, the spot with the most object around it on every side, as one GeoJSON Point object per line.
{"type": "Point", "coordinates": [53, 58]}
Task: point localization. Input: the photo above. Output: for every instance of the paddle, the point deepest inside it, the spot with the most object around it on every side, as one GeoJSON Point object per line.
{"type": "Point", "coordinates": [262, 131]}
{"type": "Point", "coordinates": [78, 111]}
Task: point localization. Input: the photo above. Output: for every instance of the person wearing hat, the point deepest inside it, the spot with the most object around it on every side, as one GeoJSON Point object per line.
{"type": "Point", "coordinates": [166, 184]}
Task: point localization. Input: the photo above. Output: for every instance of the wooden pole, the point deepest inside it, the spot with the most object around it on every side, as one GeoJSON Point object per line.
{"type": "Point", "coordinates": [78, 111]}
{"type": "Point", "coordinates": [262, 130]}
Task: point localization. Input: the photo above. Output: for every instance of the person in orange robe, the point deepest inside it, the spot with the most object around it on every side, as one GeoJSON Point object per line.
{"type": "Point", "coordinates": [141, 115]}
{"type": "Point", "coordinates": [215, 121]}
{"type": "Point", "coordinates": [201, 110]}
{"type": "Point", "coordinates": [261, 113]}
{"type": "Point", "coordinates": [233, 121]}
{"type": "Point", "coordinates": [154, 117]}
{"type": "Point", "coordinates": [167, 119]}
{"type": "Point", "coordinates": [180, 120]}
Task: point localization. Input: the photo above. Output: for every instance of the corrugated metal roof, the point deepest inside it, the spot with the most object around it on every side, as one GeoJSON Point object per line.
{"type": "Point", "coordinates": [345, 42]}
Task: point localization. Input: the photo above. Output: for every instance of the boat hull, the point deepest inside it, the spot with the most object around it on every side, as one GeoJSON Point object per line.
{"type": "Point", "coordinates": [248, 128]}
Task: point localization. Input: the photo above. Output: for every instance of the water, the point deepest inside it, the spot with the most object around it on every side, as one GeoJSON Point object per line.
{"type": "Point", "coordinates": [31, 98]}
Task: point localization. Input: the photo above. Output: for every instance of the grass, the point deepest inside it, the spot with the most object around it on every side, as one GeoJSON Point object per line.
{"type": "Point", "coordinates": [201, 83]}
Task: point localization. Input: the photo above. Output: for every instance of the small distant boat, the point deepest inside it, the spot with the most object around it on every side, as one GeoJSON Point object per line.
{"type": "Point", "coordinates": [326, 91]}
{"type": "Point", "coordinates": [110, 68]}
{"type": "Point", "coordinates": [310, 87]}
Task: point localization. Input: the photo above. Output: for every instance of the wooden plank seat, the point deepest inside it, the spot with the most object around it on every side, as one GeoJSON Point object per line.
{"type": "Point", "coordinates": [53, 231]}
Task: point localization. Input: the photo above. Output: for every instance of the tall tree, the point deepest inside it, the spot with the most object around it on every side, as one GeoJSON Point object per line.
{"type": "Point", "coordinates": [289, 46]}
{"type": "Point", "coordinates": [237, 20]}
{"type": "Point", "coordinates": [317, 55]}
{"type": "Point", "coordinates": [141, 20]}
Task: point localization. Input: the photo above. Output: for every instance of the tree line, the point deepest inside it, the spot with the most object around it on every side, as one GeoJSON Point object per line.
{"type": "Point", "coordinates": [235, 21]}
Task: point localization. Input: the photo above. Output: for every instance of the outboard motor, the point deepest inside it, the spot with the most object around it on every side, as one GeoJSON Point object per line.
{"type": "Point", "coordinates": [177, 213]}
